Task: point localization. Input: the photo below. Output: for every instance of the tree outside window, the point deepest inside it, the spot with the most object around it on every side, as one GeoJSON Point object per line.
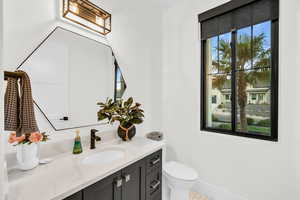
{"type": "Point", "coordinates": [252, 73]}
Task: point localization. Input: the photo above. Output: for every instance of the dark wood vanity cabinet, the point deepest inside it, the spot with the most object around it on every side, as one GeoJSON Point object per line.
{"type": "Point", "coordinates": [109, 188]}
{"type": "Point", "coordinates": [139, 181]}
{"type": "Point", "coordinates": [76, 196]}
{"type": "Point", "coordinates": [134, 181]}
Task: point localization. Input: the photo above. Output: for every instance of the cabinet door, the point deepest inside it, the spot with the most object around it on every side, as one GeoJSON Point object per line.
{"type": "Point", "coordinates": [134, 181]}
{"type": "Point", "coordinates": [76, 196]}
{"type": "Point", "coordinates": [109, 188]}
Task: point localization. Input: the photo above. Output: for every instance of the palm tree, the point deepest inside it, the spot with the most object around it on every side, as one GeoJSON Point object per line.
{"type": "Point", "coordinates": [259, 58]}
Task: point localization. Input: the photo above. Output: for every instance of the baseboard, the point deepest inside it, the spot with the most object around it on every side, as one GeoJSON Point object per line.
{"type": "Point", "coordinates": [215, 192]}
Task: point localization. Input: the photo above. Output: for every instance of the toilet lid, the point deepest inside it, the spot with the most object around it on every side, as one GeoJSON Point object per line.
{"type": "Point", "coordinates": [180, 171]}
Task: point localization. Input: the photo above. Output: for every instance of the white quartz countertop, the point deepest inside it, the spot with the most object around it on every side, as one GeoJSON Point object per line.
{"type": "Point", "coordinates": [66, 174]}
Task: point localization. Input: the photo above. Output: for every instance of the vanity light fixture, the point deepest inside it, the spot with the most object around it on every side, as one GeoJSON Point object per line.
{"type": "Point", "coordinates": [87, 14]}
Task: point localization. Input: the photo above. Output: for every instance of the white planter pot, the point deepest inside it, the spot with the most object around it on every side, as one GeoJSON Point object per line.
{"type": "Point", "coordinates": [27, 156]}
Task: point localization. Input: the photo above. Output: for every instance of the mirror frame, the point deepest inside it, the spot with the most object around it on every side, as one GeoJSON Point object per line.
{"type": "Point", "coordinates": [115, 67]}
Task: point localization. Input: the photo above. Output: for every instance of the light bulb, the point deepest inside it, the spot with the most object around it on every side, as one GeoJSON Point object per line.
{"type": "Point", "coordinates": [99, 21]}
{"type": "Point", "coordinates": [74, 8]}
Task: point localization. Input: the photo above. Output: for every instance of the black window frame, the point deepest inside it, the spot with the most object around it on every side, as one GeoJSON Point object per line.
{"type": "Point", "coordinates": [221, 10]}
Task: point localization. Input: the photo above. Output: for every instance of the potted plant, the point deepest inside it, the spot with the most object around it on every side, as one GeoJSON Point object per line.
{"type": "Point", "coordinates": [27, 148]}
{"type": "Point", "coordinates": [127, 113]}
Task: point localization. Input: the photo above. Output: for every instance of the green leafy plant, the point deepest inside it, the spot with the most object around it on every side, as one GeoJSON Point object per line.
{"type": "Point", "coordinates": [250, 121]}
{"type": "Point", "coordinates": [126, 112]}
{"type": "Point", "coordinates": [264, 123]}
{"type": "Point", "coordinates": [220, 106]}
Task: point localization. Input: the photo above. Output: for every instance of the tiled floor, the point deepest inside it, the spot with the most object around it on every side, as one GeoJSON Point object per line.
{"type": "Point", "coordinates": [197, 196]}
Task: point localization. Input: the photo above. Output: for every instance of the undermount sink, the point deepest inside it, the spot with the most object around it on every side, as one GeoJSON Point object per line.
{"type": "Point", "coordinates": [104, 157]}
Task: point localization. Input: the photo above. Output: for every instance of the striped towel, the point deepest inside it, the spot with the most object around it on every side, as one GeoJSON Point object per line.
{"type": "Point", "coordinates": [19, 108]}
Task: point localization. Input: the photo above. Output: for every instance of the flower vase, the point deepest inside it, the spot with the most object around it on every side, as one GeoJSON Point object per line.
{"type": "Point", "coordinates": [28, 156]}
{"type": "Point", "coordinates": [127, 133]}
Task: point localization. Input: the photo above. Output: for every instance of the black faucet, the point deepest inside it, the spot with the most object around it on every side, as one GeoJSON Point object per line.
{"type": "Point", "coordinates": [94, 138]}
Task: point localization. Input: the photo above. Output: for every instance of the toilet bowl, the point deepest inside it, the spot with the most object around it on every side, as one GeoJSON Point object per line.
{"type": "Point", "coordinates": [179, 180]}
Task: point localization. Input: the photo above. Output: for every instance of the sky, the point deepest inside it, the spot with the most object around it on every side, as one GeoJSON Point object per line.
{"type": "Point", "coordinates": [258, 29]}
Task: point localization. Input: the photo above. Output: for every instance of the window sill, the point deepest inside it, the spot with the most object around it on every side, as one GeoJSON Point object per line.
{"type": "Point", "coordinates": [240, 134]}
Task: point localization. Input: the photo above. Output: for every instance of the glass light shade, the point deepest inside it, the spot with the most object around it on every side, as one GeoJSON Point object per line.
{"type": "Point", "coordinates": [87, 14]}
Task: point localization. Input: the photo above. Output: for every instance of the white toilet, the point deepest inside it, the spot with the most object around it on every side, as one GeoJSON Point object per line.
{"type": "Point", "coordinates": [179, 180]}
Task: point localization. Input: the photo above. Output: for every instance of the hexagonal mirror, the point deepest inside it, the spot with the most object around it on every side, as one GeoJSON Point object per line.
{"type": "Point", "coordinates": [69, 74]}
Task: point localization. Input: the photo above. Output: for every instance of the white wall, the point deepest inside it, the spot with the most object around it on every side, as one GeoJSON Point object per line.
{"type": "Point", "coordinates": [255, 169]}
{"type": "Point", "coordinates": [2, 169]}
{"type": "Point", "coordinates": [136, 41]}
{"type": "Point", "coordinates": [296, 135]}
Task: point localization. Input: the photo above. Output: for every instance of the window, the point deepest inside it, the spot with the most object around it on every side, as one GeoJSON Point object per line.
{"type": "Point", "coordinates": [260, 97]}
{"type": "Point", "coordinates": [214, 99]}
{"type": "Point", "coordinates": [239, 67]}
{"type": "Point", "coordinates": [227, 96]}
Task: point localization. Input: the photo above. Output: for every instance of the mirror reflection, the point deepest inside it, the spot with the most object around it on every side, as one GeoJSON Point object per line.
{"type": "Point", "coordinates": [120, 84]}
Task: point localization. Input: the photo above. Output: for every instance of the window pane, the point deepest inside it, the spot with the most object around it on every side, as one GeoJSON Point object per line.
{"type": "Point", "coordinates": [218, 101]}
{"type": "Point", "coordinates": [253, 101]}
{"type": "Point", "coordinates": [253, 86]}
{"type": "Point", "coordinates": [262, 45]}
{"type": "Point", "coordinates": [243, 49]}
{"type": "Point", "coordinates": [225, 53]}
{"type": "Point", "coordinates": [214, 55]}
{"type": "Point", "coordinates": [218, 83]}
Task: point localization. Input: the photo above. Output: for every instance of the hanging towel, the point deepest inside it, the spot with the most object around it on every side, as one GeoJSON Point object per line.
{"type": "Point", "coordinates": [11, 105]}
{"type": "Point", "coordinates": [19, 109]}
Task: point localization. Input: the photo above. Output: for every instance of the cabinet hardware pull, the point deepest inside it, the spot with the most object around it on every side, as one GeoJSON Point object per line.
{"type": "Point", "coordinates": [127, 177]}
{"type": "Point", "coordinates": [119, 182]}
{"type": "Point", "coordinates": [155, 185]}
{"type": "Point", "coordinates": [154, 162]}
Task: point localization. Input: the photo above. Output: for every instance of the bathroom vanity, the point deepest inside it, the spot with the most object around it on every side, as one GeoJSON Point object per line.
{"type": "Point", "coordinates": [115, 170]}
{"type": "Point", "coordinates": [139, 181]}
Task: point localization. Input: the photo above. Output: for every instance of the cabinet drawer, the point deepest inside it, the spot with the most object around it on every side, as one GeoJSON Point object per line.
{"type": "Point", "coordinates": [154, 162]}
{"type": "Point", "coordinates": [154, 185]}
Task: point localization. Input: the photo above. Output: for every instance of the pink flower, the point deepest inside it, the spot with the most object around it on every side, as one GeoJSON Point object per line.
{"type": "Point", "coordinates": [13, 138]}
{"type": "Point", "coordinates": [35, 137]}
